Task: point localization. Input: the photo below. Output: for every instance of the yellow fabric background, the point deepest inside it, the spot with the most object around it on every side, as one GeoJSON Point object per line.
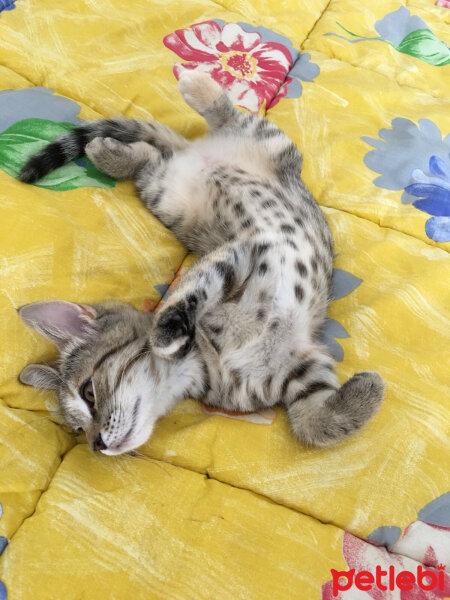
{"type": "Point", "coordinates": [268, 520]}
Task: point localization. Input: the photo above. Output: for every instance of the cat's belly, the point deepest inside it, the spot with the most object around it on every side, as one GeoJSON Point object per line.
{"type": "Point", "coordinates": [204, 157]}
{"type": "Point", "coordinates": [224, 151]}
{"type": "Point", "coordinates": [247, 356]}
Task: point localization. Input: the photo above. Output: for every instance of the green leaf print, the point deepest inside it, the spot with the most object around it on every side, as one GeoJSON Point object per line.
{"type": "Point", "coordinates": [26, 137]}
{"type": "Point", "coordinates": [423, 44]}
{"type": "Point", "coordinates": [406, 33]}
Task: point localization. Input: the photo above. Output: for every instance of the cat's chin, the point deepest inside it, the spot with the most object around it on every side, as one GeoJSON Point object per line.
{"type": "Point", "coordinates": [116, 451]}
{"type": "Point", "coordinates": [130, 443]}
{"type": "Point", "coordinates": [122, 449]}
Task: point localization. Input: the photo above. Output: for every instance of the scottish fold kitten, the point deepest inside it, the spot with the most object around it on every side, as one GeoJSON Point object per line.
{"type": "Point", "coordinates": [242, 329]}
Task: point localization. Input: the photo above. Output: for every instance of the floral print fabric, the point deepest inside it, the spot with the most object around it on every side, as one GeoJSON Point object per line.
{"type": "Point", "coordinates": [256, 66]}
{"type": "Point", "coordinates": [216, 505]}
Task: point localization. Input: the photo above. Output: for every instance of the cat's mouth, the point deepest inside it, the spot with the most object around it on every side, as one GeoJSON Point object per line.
{"type": "Point", "coordinates": [128, 442]}
{"type": "Point", "coordinates": [123, 446]}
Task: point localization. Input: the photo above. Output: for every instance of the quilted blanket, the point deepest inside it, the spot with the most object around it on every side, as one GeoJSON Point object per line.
{"type": "Point", "coordinates": [220, 506]}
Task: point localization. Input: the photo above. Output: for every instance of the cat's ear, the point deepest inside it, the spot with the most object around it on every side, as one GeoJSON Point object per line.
{"type": "Point", "coordinates": [40, 376]}
{"type": "Point", "coordinates": [61, 321]}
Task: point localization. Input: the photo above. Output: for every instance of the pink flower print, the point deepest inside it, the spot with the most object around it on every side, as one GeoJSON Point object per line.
{"type": "Point", "coordinates": [253, 71]}
{"type": "Point", "coordinates": [363, 556]}
{"type": "Point", "coordinates": [426, 543]}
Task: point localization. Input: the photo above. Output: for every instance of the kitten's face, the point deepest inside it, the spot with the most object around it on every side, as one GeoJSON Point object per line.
{"type": "Point", "coordinates": [107, 378]}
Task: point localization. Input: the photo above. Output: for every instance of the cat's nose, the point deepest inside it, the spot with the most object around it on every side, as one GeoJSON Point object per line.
{"type": "Point", "coordinates": [98, 443]}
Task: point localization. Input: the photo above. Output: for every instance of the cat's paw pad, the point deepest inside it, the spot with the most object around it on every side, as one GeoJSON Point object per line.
{"type": "Point", "coordinates": [198, 89]}
{"type": "Point", "coordinates": [174, 331]}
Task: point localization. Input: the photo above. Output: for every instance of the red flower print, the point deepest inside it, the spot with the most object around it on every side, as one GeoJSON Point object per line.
{"type": "Point", "coordinates": [363, 556]}
{"type": "Point", "coordinates": [251, 70]}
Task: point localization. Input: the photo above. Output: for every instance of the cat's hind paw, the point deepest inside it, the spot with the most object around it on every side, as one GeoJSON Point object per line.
{"type": "Point", "coordinates": [117, 159]}
{"type": "Point", "coordinates": [198, 89]}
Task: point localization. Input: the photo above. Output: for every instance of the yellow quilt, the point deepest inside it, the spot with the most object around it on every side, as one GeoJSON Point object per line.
{"type": "Point", "coordinates": [231, 506]}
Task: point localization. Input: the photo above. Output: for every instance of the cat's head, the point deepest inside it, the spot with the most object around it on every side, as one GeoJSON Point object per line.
{"type": "Point", "coordinates": [108, 381]}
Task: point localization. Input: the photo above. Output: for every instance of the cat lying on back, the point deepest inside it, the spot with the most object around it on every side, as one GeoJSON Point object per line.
{"type": "Point", "coordinates": [242, 329]}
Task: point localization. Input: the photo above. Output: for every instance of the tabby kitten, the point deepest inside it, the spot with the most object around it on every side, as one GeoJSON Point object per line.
{"type": "Point", "coordinates": [242, 329]}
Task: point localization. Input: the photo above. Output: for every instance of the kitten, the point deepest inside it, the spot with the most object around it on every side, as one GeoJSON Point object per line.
{"type": "Point", "coordinates": [242, 329]}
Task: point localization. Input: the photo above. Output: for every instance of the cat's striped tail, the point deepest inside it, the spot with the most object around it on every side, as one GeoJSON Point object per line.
{"type": "Point", "coordinates": [72, 144]}
{"type": "Point", "coordinates": [320, 412]}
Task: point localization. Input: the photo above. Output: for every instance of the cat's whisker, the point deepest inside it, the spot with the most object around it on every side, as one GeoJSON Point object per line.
{"type": "Point", "coordinates": [135, 454]}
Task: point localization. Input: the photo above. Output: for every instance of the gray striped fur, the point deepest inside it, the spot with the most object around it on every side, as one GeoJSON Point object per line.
{"type": "Point", "coordinates": [241, 330]}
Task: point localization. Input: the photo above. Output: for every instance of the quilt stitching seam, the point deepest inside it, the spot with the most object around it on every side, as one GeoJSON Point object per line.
{"type": "Point", "coordinates": [390, 228]}
{"type": "Point", "coordinates": [206, 474]}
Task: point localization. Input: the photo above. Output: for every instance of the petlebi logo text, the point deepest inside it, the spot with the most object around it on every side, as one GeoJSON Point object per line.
{"type": "Point", "coordinates": [388, 580]}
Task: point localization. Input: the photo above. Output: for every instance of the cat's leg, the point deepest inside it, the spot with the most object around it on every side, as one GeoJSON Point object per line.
{"type": "Point", "coordinates": [205, 95]}
{"type": "Point", "coordinates": [129, 131]}
{"type": "Point", "coordinates": [72, 144]}
{"type": "Point", "coordinates": [320, 412]}
{"type": "Point", "coordinates": [120, 160]}
{"type": "Point", "coordinates": [212, 280]}
{"type": "Point", "coordinates": [149, 169]}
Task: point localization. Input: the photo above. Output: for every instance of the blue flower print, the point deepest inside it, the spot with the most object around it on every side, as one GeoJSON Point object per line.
{"type": "Point", "coordinates": [415, 159]}
{"type": "Point", "coordinates": [434, 193]}
{"type": "Point", "coordinates": [3, 544]}
{"type": "Point", "coordinates": [343, 283]}
{"type": "Point", "coordinates": [3, 540]}
{"type": "Point", "coordinates": [7, 5]}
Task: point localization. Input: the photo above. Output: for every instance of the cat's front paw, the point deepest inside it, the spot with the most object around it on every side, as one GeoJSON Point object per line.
{"type": "Point", "coordinates": [199, 89]}
{"type": "Point", "coordinates": [174, 329]}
